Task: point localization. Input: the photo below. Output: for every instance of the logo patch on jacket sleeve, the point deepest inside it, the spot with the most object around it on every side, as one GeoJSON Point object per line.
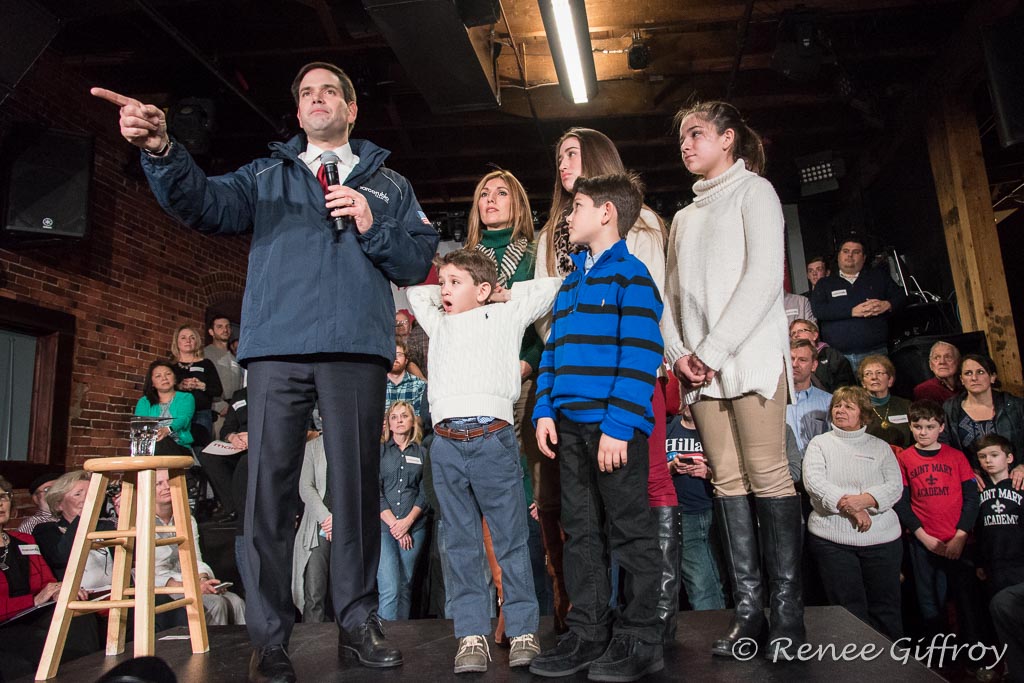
{"type": "Point", "coordinates": [423, 217]}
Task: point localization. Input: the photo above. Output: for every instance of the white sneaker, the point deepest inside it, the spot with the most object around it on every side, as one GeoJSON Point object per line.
{"type": "Point", "coordinates": [473, 655]}
{"type": "Point", "coordinates": [524, 649]}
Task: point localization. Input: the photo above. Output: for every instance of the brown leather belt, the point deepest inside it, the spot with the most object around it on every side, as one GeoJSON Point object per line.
{"type": "Point", "coordinates": [471, 432]}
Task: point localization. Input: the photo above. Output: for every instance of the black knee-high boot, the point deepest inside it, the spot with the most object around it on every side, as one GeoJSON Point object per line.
{"type": "Point", "coordinates": [743, 562]}
{"type": "Point", "coordinates": [781, 524]}
{"type": "Point", "coordinates": [670, 525]}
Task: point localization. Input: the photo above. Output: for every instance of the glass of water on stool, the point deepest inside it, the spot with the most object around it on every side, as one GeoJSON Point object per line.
{"type": "Point", "coordinates": [143, 432]}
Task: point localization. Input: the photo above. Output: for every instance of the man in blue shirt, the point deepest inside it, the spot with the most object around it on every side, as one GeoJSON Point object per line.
{"type": "Point", "coordinates": [808, 417]}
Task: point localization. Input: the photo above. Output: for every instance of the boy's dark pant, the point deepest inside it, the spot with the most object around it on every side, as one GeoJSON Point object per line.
{"type": "Point", "coordinates": [937, 577]}
{"type": "Point", "coordinates": [591, 502]}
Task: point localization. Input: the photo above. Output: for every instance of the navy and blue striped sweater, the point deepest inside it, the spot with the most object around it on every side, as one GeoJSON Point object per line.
{"type": "Point", "coordinates": [601, 359]}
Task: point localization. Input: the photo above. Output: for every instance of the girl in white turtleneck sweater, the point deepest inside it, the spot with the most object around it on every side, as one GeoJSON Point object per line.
{"type": "Point", "coordinates": [726, 335]}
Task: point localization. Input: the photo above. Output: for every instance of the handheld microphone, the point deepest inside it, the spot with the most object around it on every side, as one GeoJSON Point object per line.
{"type": "Point", "coordinates": [330, 163]}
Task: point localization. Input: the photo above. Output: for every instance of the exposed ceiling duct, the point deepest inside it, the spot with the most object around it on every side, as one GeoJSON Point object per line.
{"type": "Point", "coordinates": [449, 64]}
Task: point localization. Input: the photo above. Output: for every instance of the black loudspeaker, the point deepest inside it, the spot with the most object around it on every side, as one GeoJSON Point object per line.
{"type": "Point", "coordinates": [1004, 61]}
{"type": "Point", "coordinates": [46, 178]}
{"type": "Point", "coordinates": [910, 356]}
{"type": "Point", "coordinates": [25, 31]}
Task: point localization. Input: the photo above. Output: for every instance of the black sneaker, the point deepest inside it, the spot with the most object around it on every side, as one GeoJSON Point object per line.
{"type": "Point", "coordinates": [627, 659]}
{"type": "Point", "coordinates": [570, 655]}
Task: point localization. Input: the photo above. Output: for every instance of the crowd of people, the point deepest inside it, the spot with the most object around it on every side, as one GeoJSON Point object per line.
{"type": "Point", "coordinates": [602, 422]}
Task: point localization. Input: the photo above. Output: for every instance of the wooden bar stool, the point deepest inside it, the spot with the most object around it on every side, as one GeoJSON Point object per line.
{"type": "Point", "coordinates": [134, 539]}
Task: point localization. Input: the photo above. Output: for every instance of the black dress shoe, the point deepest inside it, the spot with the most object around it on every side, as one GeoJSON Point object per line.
{"type": "Point", "coordinates": [271, 665]}
{"type": "Point", "coordinates": [367, 644]}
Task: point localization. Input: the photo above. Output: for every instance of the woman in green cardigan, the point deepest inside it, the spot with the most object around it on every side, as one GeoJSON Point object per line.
{"type": "Point", "coordinates": [160, 399]}
{"type": "Point", "coordinates": [502, 228]}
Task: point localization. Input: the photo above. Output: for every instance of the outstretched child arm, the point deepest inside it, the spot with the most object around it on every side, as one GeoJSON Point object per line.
{"type": "Point", "coordinates": [425, 302]}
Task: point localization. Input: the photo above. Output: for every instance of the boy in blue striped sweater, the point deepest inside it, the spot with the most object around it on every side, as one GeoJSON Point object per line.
{"type": "Point", "coordinates": [594, 395]}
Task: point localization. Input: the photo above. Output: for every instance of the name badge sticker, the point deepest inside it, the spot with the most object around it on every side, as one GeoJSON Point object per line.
{"type": "Point", "coordinates": [30, 549]}
{"type": "Point", "coordinates": [898, 419]}
{"type": "Point", "coordinates": [838, 293]}
{"type": "Point", "coordinates": [413, 460]}
{"type": "Point", "coordinates": [197, 368]}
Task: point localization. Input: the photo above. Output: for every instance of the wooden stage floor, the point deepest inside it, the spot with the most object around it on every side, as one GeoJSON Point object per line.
{"type": "Point", "coordinates": [428, 648]}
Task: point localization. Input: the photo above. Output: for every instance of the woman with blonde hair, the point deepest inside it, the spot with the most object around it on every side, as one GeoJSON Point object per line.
{"type": "Point", "coordinates": [198, 376]}
{"type": "Point", "coordinates": [403, 529]}
{"type": "Point", "coordinates": [66, 499]}
{"type": "Point", "coordinates": [501, 227]}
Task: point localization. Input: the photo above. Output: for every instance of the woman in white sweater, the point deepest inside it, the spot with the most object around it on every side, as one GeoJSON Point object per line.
{"type": "Point", "coordinates": [854, 480]}
{"type": "Point", "coordinates": [726, 336]}
{"type": "Point", "coordinates": [584, 152]}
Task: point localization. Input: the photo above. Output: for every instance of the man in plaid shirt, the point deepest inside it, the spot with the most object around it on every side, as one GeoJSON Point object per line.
{"type": "Point", "coordinates": [402, 385]}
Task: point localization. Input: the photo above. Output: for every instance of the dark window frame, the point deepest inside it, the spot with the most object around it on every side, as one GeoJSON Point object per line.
{"type": "Point", "coordinates": [51, 394]}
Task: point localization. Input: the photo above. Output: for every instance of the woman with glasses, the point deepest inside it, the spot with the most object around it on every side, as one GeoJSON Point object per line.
{"type": "Point", "coordinates": [26, 582]}
{"type": "Point", "coordinates": [980, 409]}
{"type": "Point", "coordinates": [889, 420]}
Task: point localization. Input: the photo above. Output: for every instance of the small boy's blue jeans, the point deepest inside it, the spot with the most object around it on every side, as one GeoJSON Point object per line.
{"type": "Point", "coordinates": [483, 477]}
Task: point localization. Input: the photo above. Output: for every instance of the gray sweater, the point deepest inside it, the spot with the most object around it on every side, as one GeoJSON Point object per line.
{"type": "Point", "coordinates": [839, 463]}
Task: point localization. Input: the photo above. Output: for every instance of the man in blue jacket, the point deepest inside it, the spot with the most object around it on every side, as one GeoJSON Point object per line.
{"type": "Point", "coordinates": [317, 324]}
{"type": "Point", "coordinates": [854, 305]}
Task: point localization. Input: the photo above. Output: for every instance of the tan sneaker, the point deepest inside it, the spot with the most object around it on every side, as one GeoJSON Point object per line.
{"type": "Point", "coordinates": [524, 649]}
{"type": "Point", "coordinates": [473, 655]}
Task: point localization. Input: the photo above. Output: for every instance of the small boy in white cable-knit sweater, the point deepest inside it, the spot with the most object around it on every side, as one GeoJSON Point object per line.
{"type": "Point", "coordinates": [475, 330]}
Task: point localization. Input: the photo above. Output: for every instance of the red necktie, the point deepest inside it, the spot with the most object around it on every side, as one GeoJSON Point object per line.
{"type": "Point", "coordinates": [321, 175]}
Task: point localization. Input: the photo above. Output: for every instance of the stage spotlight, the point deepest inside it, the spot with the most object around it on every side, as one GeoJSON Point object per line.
{"type": "Point", "coordinates": [565, 23]}
{"type": "Point", "coordinates": [639, 55]}
{"type": "Point", "coordinates": [819, 173]}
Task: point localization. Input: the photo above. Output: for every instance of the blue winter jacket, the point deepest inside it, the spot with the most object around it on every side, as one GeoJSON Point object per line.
{"type": "Point", "coordinates": [304, 292]}
{"type": "Point", "coordinates": [601, 360]}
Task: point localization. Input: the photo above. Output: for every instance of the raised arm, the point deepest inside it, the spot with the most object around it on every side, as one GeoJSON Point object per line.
{"type": "Point", "coordinates": [425, 302]}
{"type": "Point", "coordinates": [221, 204]}
{"type": "Point", "coordinates": [533, 298]}
{"type": "Point", "coordinates": [143, 125]}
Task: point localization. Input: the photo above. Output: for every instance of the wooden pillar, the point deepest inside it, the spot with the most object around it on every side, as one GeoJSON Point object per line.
{"type": "Point", "coordinates": [965, 204]}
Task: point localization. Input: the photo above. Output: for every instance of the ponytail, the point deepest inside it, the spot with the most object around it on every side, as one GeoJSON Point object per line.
{"type": "Point", "coordinates": [723, 116]}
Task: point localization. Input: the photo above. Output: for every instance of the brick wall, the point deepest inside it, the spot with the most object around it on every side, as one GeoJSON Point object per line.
{"type": "Point", "coordinates": [130, 283]}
